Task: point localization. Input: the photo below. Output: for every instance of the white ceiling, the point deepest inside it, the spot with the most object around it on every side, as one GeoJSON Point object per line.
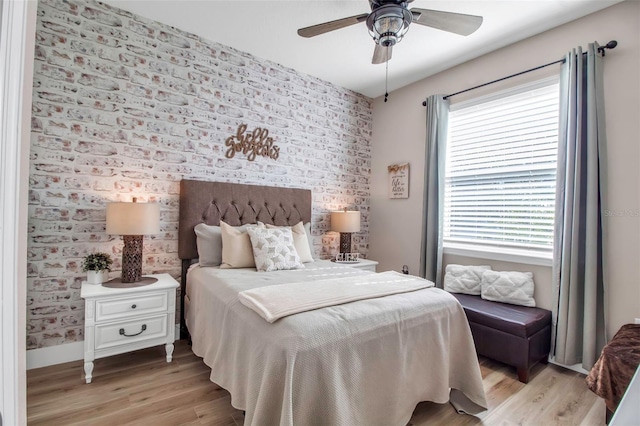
{"type": "Point", "coordinates": [267, 29]}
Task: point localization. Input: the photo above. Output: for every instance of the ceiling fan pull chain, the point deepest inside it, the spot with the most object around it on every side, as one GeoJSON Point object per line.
{"type": "Point", "coordinates": [386, 81]}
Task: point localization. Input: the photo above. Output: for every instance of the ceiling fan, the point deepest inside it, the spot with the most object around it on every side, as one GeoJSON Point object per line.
{"type": "Point", "coordinates": [389, 21]}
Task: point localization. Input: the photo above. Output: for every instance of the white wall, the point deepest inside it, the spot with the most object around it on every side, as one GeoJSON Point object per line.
{"type": "Point", "coordinates": [399, 134]}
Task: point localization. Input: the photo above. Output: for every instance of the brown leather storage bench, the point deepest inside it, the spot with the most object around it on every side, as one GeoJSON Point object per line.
{"type": "Point", "coordinates": [516, 335]}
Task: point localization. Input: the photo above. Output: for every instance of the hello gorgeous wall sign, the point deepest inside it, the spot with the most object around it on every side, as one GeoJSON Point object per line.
{"type": "Point", "coordinates": [253, 144]}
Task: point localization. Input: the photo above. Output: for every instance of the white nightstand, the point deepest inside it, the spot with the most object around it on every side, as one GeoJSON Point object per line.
{"type": "Point", "coordinates": [119, 320]}
{"type": "Point", "coordinates": [366, 264]}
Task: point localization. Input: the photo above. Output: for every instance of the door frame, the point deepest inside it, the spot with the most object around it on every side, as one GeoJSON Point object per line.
{"type": "Point", "coordinates": [17, 43]}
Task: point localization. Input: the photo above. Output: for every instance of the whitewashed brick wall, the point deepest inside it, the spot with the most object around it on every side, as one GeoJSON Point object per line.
{"type": "Point", "coordinates": [124, 106]}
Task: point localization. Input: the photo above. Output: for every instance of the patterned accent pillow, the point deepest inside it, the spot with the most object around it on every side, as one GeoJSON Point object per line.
{"type": "Point", "coordinates": [463, 279]}
{"type": "Point", "coordinates": [508, 287]}
{"type": "Point", "coordinates": [273, 249]}
{"type": "Point", "coordinates": [300, 240]}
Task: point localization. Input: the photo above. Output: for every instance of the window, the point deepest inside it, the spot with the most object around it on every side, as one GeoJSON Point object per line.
{"type": "Point", "coordinates": [501, 171]}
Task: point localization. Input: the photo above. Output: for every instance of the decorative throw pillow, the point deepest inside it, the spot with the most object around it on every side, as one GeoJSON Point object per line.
{"type": "Point", "coordinates": [508, 287]}
{"type": "Point", "coordinates": [273, 249]}
{"type": "Point", "coordinates": [236, 247]}
{"type": "Point", "coordinates": [300, 240]}
{"type": "Point", "coordinates": [209, 242]}
{"type": "Point", "coordinates": [463, 279]}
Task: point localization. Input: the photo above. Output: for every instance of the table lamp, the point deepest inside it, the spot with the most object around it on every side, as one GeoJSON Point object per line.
{"type": "Point", "coordinates": [133, 221]}
{"type": "Point", "coordinates": [345, 222]}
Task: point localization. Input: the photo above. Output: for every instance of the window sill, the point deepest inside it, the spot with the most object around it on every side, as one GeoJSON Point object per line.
{"type": "Point", "coordinates": [500, 253]}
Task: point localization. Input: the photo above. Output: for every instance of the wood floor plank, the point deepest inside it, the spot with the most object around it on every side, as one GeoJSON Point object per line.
{"type": "Point", "coordinates": [572, 406]}
{"type": "Point", "coordinates": [140, 388]}
{"type": "Point", "coordinates": [169, 407]}
{"type": "Point", "coordinates": [218, 413]}
{"type": "Point", "coordinates": [499, 385]}
{"type": "Point", "coordinates": [64, 416]}
{"type": "Point", "coordinates": [534, 398]}
{"type": "Point", "coordinates": [177, 417]}
{"type": "Point", "coordinates": [157, 392]}
{"type": "Point", "coordinates": [102, 389]}
{"type": "Point", "coordinates": [596, 413]}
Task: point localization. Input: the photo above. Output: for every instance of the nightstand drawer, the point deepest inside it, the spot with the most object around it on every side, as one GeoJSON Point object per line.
{"type": "Point", "coordinates": [132, 305]}
{"type": "Point", "coordinates": [126, 332]}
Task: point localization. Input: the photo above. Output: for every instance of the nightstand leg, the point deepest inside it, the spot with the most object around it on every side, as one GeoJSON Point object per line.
{"type": "Point", "coordinates": [169, 349]}
{"type": "Point", "coordinates": [88, 369]}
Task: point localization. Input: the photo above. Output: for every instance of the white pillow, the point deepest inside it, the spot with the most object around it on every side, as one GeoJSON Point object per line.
{"type": "Point", "coordinates": [300, 240]}
{"type": "Point", "coordinates": [463, 279]}
{"type": "Point", "coordinates": [508, 287]}
{"type": "Point", "coordinates": [273, 249]}
{"type": "Point", "coordinates": [236, 247]}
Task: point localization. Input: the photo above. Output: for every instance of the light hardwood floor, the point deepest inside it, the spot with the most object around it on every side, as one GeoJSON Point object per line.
{"type": "Point", "coordinates": [140, 388]}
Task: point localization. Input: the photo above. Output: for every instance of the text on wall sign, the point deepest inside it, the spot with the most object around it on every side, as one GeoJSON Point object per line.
{"type": "Point", "coordinates": [256, 143]}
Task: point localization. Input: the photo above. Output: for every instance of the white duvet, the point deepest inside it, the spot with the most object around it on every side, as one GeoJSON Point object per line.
{"type": "Point", "coordinates": [367, 362]}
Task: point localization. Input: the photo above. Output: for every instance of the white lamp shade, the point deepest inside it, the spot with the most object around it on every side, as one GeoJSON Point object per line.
{"type": "Point", "coordinates": [345, 221]}
{"type": "Point", "coordinates": [133, 218]}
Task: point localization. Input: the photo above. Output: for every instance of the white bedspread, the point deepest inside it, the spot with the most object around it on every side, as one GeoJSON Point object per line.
{"type": "Point", "coordinates": [277, 301]}
{"type": "Point", "coordinates": [367, 362]}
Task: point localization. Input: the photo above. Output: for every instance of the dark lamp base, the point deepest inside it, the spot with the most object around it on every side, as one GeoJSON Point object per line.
{"type": "Point", "coordinates": [132, 258]}
{"type": "Point", "coordinates": [345, 242]}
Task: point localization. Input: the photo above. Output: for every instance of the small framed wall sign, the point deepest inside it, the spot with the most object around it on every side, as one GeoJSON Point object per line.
{"type": "Point", "coordinates": [398, 180]}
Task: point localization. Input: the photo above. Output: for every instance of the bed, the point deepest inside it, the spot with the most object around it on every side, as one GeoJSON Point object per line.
{"type": "Point", "coordinates": [368, 362]}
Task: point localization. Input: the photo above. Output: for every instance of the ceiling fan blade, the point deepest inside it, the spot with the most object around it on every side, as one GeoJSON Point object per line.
{"type": "Point", "coordinates": [315, 30]}
{"type": "Point", "coordinates": [381, 54]}
{"type": "Point", "coordinates": [457, 23]}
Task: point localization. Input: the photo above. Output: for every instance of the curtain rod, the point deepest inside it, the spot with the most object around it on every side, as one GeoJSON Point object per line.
{"type": "Point", "coordinates": [611, 45]}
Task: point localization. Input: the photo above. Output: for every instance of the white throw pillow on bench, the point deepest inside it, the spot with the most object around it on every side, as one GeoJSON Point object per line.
{"type": "Point", "coordinates": [511, 287]}
{"type": "Point", "coordinates": [464, 279]}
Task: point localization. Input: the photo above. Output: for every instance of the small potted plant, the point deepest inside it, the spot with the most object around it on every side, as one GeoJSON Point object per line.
{"type": "Point", "coordinates": [97, 267]}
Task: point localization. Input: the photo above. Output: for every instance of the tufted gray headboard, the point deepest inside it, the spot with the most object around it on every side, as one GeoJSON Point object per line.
{"type": "Point", "coordinates": [235, 204]}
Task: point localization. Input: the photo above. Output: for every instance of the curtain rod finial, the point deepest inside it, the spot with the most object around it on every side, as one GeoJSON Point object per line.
{"type": "Point", "coordinates": [424, 103]}
{"type": "Point", "coordinates": [611, 45]}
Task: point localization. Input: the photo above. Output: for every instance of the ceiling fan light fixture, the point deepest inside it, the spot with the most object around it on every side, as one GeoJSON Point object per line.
{"type": "Point", "coordinates": [387, 29]}
{"type": "Point", "coordinates": [388, 24]}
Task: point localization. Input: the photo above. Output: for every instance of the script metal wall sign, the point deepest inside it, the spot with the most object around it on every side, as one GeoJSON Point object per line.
{"type": "Point", "coordinates": [256, 143]}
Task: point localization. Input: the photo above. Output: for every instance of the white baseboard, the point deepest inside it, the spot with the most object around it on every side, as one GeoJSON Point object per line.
{"type": "Point", "coordinates": [53, 355]}
{"type": "Point", "coordinates": [576, 367]}
{"type": "Point", "coordinates": [60, 354]}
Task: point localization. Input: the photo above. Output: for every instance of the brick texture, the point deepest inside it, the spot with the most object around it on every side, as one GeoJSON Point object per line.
{"type": "Point", "coordinates": [126, 107]}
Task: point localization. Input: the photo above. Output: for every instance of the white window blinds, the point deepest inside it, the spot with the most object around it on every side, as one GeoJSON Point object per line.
{"type": "Point", "coordinates": [501, 170]}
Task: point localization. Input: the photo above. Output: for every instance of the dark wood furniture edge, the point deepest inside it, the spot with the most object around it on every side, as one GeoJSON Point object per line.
{"type": "Point", "coordinates": [523, 375]}
{"type": "Point", "coordinates": [184, 332]}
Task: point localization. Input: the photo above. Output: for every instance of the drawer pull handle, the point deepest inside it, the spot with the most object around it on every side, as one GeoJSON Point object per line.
{"type": "Point", "coordinates": [134, 306]}
{"type": "Point", "coordinates": [144, 327]}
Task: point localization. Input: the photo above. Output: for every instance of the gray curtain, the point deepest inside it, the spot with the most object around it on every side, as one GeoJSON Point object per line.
{"type": "Point", "coordinates": [433, 204]}
{"type": "Point", "coordinates": [579, 288]}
